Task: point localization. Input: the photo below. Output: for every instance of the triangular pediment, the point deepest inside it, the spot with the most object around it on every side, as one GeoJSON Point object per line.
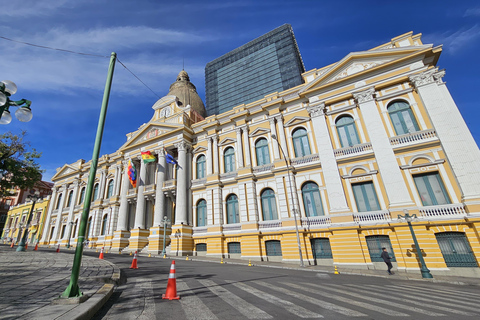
{"type": "Point", "coordinates": [150, 131]}
{"type": "Point", "coordinates": [295, 121]}
{"type": "Point", "coordinates": [199, 149]}
{"type": "Point", "coordinates": [66, 170]}
{"type": "Point", "coordinates": [259, 132]}
{"type": "Point", "coordinates": [227, 141]}
{"type": "Point", "coordinates": [357, 62]}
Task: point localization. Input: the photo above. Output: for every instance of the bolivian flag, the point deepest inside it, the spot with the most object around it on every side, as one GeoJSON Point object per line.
{"type": "Point", "coordinates": [147, 157]}
{"type": "Point", "coordinates": [132, 174]}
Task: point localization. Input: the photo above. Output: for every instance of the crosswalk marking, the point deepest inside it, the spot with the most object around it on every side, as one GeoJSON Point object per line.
{"type": "Point", "coordinates": [463, 297]}
{"type": "Point", "coordinates": [445, 290]}
{"type": "Point", "coordinates": [387, 302]}
{"type": "Point", "coordinates": [320, 303]}
{"type": "Point", "coordinates": [409, 299]}
{"type": "Point", "coordinates": [245, 308]}
{"type": "Point", "coordinates": [349, 301]}
{"type": "Point", "coordinates": [289, 306]}
{"type": "Point", "coordinates": [193, 307]}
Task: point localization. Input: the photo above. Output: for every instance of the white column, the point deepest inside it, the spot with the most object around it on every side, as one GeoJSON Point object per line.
{"type": "Point", "coordinates": [189, 187]}
{"type": "Point", "coordinates": [101, 194]}
{"type": "Point", "coordinates": [181, 197]}
{"type": "Point", "coordinates": [246, 145]}
{"type": "Point", "coordinates": [252, 200]}
{"type": "Point", "coordinates": [276, 153]}
{"type": "Point", "coordinates": [76, 184]}
{"type": "Point", "coordinates": [457, 141]}
{"type": "Point", "coordinates": [397, 191]}
{"type": "Point", "coordinates": [215, 155]}
{"type": "Point", "coordinates": [59, 213]}
{"type": "Point", "coordinates": [123, 211]}
{"type": "Point", "coordinates": [239, 147]}
{"type": "Point", "coordinates": [140, 209]}
{"type": "Point", "coordinates": [118, 175]}
{"type": "Point", "coordinates": [51, 205]}
{"type": "Point", "coordinates": [281, 133]}
{"type": "Point", "coordinates": [209, 157]}
{"type": "Point", "coordinates": [333, 181]}
{"type": "Point", "coordinates": [159, 195]}
{"type": "Point", "coordinates": [217, 206]}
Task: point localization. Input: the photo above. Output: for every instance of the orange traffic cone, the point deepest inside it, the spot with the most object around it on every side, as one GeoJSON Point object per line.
{"type": "Point", "coordinates": [58, 248]}
{"type": "Point", "coordinates": [171, 293]}
{"type": "Point", "coordinates": [134, 261]}
{"type": "Point", "coordinates": [26, 246]}
{"type": "Point", "coordinates": [101, 254]}
{"type": "Point", "coordinates": [36, 247]}
{"type": "Point", "coordinates": [13, 242]}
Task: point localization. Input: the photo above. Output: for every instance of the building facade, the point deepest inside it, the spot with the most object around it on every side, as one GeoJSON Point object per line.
{"type": "Point", "coordinates": [323, 172]}
{"type": "Point", "coordinates": [267, 64]}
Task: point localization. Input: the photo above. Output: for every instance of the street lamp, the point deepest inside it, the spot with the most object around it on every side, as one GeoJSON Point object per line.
{"type": "Point", "coordinates": [165, 223]}
{"type": "Point", "coordinates": [21, 245]}
{"type": "Point", "coordinates": [23, 113]}
{"type": "Point", "coordinates": [409, 217]}
{"type": "Point", "coordinates": [274, 137]}
{"type": "Point", "coordinates": [71, 223]}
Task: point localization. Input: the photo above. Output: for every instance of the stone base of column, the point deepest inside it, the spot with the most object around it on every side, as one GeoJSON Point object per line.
{"type": "Point", "coordinates": [155, 240]}
{"type": "Point", "coordinates": [120, 240]}
{"type": "Point", "coordinates": [182, 241]}
{"type": "Point", "coordinates": [138, 239]}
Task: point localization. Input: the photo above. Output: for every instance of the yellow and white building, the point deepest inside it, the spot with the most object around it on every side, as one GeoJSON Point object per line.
{"type": "Point", "coordinates": [338, 158]}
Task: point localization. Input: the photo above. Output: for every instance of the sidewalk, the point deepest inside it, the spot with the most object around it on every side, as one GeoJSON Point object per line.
{"type": "Point", "coordinates": [32, 281]}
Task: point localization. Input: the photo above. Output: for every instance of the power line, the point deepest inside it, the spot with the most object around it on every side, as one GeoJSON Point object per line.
{"type": "Point", "coordinates": [137, 78]}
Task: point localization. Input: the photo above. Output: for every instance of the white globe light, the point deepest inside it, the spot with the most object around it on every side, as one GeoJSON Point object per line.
{"type": "Point", "coordinates": [3, 98]}
{"type": "Point", "coordinates": [23, 114]}
{"type": "Point", "coordinates": [6, 117]}
{"type": "Point", "coordinates": [10, 86]}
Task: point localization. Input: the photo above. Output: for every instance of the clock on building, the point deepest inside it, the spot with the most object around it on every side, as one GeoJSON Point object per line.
{"type": "Point", "coordinates": [165, 112]}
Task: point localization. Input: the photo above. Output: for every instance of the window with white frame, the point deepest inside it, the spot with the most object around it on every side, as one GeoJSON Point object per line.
{"type": "Point", "coordinates": [347, 131]}
{"type": "Point", "coordinates": [261, 150]}
{"type": "Point", "coordinates": [201, 213]}
{"type": "Point", "coordinates": [269, 205]}
{"type": "Point", "coordinates": [431, 189]}
{"type": "Point", "coordinates": [300, 142]}
{"type": "Point", "coordinates": [402, 117]}
{"type": "Point", "coordinates": [311, 200]}
{"type": "Point", "coordinates": [229, 159]}
{"type": "Point", "coordinates": [232, 209]}
{"type": "Point", "coordinates": [365, 197]}
{"type": "Point", "coordinates": [201, 161]}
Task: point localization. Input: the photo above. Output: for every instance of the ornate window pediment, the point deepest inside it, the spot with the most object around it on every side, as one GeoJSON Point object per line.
{"type": "Point", "coordinates": [259, 132]}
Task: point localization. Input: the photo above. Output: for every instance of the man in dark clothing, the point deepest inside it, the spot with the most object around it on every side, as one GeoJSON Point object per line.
{"type": "Point", "coordinates": [387, 259]}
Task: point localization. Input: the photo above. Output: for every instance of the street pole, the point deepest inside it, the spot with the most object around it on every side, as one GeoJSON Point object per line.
{"type": "Point", "coordinates": [73, 289]}
{"type": "Point", "coordinates": [165, 221]}
{"type": "Point", "coordinates": [21, 245]}
{"type": "Point", "coordinates": [274, 137]}
{"type": "Point", "coordinates": [424, 270]}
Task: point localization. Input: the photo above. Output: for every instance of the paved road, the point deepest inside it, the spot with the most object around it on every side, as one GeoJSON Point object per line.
{"type": "Point", "coordinates": [226, 291]}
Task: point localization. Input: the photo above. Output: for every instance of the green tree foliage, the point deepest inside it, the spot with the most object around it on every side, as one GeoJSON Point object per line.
{"type": "Point", "coordinates": [17, 163]}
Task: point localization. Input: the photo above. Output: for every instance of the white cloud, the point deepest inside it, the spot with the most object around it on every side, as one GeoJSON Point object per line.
{"type": "Point", "coordinates": [30, 8]}
{"type": "Point", "coordinates": [472, 12]}
{"type": "Point", "coordinates": [456, 41]}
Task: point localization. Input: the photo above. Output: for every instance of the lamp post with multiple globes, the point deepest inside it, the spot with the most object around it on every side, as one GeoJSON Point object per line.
{"type": "Point", "coordinates": [23, 113]}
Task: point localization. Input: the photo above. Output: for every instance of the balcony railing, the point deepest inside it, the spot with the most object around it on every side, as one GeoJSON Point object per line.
{"type": "Point", "coordinates": [353, 150]}
{"type": "Point", "coordinates": [198, 182]}
{"type": "Point", "coordinates": [200, 230]}
{"type": "Point", "coordinates": [372, 216]}
{"type": "Point", "coordinates": [149, 188]}
{"type": "Point", "coordinates": [305, 159]}
{"type": "Point", "coordinates": [269, 224]}
{"type": "Point", "coordinates": [170, 184]}
{"type": "Point", "coordinates": [228, 175]}
{"type": "Point", "coordinates": [131, 192]}
{"type": "Point", "coordinates": [443, 211]}
{"type": "Point", "coordinates": [265, 167]}
{"type": "Point", "coordinates": [232, 227]}
{"type": "Point", "coordinates": [413, 137]}
{"type": "Point", "coordinates": [316, 221]}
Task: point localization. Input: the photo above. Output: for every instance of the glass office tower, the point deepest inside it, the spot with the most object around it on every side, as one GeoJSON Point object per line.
{"type": "Point", "coordinates": [267, 64]}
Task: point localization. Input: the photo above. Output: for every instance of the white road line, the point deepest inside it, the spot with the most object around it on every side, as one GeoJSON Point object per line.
{"type": "Point", "coordinates": [409, 299]}
{"type": "Point", "coordinates": [193, 307]}
{"type": "Point", "coordinates": [445, 290]}
{"type": "Point", "coordinates": [242, 306]}
{"type": "Point", "coordinates": [289, 306]}
{"type": "Point", "coordinates": [449, 295]}
{"type": "Point", "coordinates": [320, 303]}
{"type": "Point", "coordinates": [349, 301]}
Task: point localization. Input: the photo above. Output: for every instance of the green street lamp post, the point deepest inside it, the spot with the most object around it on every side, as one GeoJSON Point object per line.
{"type": "Point", "coordinates": [165, 223]}
{"type": "Point", "coordinates": [294, 209]}
{"type": "Point", "coordinates": [23, 113]}
{"type": "Point", "coordinates": [409, 217]}
{"type": "Point", "coordinates": [23, 241]}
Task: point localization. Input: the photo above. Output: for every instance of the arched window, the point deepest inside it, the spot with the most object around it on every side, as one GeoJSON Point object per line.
{"type": "Point", "coordinates": [261, 149]}
{"type": "Point", "coordinates": [82, 195]}
{"type": "Point", "coordinates": [300, 142]}
{"type": "Point", "coordinates": [232, 209]}
{"type": "Point", "coordinates": [95, 192]}
{"type": "Point", "coordinates": [201, 213]}
{"type": "Point", "coordinates": [402, 117]}
{"type": "Point", "coordinates": [58, 201]}
{"type": "Point", "coordinates": [347, 131]}
{"type": "Point", "coordinates": [269, 205]}
{"type": "Point", "coordinates": [311, 200]}
{"type": "Point", "coordinates": [201, 167]}
{"type": "Point", "coordinates": [229, 160]}
{"type": "Point", "coordinates": [70, 196]}
{"type": "Point", "coordinates": [62, 235]}
{"type": "Point", "coordinates": [104, 224]}
{"type": "Point", "coordinates": [110, 189]}
{"type": "Point", "coordinates": [365, 197]}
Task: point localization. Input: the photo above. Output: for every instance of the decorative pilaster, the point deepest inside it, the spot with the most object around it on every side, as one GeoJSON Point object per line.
{"type": "Point", "coordinates": [397, 191]}
{"type": "Point", "coordinates": [273, 130]}
{"type": "Point", "coordinates": [281, 133]}
{"type": "Point", "coordinates": [215, 155]}
{"type": "Point", "coordinates": [123, 212]}
{"type": "Point", "coordinates": [181, 198]}
{"type": "Point", "coordinates": [457, 141]}
{"type": "Point", "coordinates": [118, 178]}
{"type": "Point", "coordinates": [239, 147]}
{"type": "Point", "coordinates": [49, 216]}
{"type": "Point", "coordinates": [333, 182]}
{"type": "Point", "coordinates": [209, 156]}
{"type": "Point", "coordinates": [140, 209]}
{"type": "Point", "coordinates": [246, 144]}
{"type": "Point", "coordinates": [59, 213]}
{"type": "Point", "coordinates": [159, 212]}
{"type": "Point", "coordinates": [103, 176]}
{"type": "Point", "coordinates": [76, 185]}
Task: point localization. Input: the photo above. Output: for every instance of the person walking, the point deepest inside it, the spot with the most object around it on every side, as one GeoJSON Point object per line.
{"type": "Point", "coordinates": [387, 259]}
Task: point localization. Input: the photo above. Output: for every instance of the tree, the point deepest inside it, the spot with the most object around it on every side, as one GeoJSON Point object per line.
{"type": "Point", "coordinates": [17, 163]}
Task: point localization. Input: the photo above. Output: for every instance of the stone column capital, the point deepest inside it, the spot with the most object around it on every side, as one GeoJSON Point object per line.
{"type": "Point", "coordinates": [427, 77]}
{"type": "Point", "coordinates": [316, 109]}
{"type": "Point", "coordinates": [364, 96]}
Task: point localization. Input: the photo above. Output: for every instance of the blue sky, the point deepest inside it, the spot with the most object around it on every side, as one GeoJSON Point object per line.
{"type": "Point", "coordinates": [153, 38]}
